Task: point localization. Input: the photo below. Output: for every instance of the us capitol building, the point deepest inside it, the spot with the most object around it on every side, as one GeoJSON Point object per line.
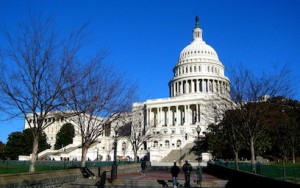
{"type": "Point", "coordinates": [197, 91]}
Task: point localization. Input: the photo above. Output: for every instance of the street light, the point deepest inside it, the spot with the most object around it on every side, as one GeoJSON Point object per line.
{"type": "Point", "coordinates": [114, 168]}
{"type": "Point", "coordinates": [199, 170]}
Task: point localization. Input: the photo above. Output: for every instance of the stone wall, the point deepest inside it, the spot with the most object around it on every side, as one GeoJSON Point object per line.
{"type": "Point", "coordinates": [55, 178]}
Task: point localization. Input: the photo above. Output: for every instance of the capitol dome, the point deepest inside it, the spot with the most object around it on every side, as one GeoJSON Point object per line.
{"type": "Point", "coordinates": [198, 49]}
{"type": "Point", "coordinates": [198, 69]}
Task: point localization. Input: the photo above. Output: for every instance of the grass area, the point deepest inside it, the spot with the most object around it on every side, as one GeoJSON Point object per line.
{"type": "Point", "coordinates": [11, 167]}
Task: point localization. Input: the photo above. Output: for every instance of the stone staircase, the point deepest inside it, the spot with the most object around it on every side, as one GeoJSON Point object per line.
{"type": "Point", "coordinates": [177, 155]}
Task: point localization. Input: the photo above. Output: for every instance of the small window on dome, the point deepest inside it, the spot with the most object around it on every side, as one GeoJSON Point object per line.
{"type": "Point", "coordinates": [186, 70]}
{"type": "Point", "coordinates": [195, 52]}
{"type": "Point", "coordinates": [199, 68]}
{"type": "Point", "coordinates": [191, 69]}
{"type": "Point", "coordinates": [208, 68]}
{"type": "Point", "coordinates": [195, 69]}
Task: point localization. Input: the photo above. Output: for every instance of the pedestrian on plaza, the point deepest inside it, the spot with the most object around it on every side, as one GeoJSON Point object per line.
{"type": "Point", "coordinates": [175, 171]}
{"type": "Point", "coordinates": [187, 169]}
{"type": "Point", "coordinates": [143, 166]}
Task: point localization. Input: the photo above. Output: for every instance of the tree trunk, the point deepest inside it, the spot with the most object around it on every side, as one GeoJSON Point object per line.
{"type": "Point", "coordinates": [83, 156]}
{"type": "Point", "coordinates": [293, 153]}
{"type": "Point", "coordinates": [135, 155]}
{"type": "Point", "coordinates": [252, 156]}
{"type": "Point", "coordinates": [236, 155]}
{"type": "Point", "coordinates": [34, 154]}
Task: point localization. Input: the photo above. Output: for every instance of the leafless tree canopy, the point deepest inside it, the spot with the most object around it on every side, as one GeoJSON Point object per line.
{"type": "Point", "coordinates": [37, 68]}
{"type": "Point", "coordinates": [249, 87]}
{"type": "Point", "coordinates": [140, 133]}
{"type": "Point", "coordinates": [102, 97]}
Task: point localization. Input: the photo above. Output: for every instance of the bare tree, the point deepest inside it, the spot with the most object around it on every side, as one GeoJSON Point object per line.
{"type": "Point", "coordinates": [231, 129]}
{"type": "Point", "coordinates": [247, 88]}
{"type": "Point", "coordinates": [102, 98]}
{"type": "Point", "coordinates": [140, 133]}
{"type": "Point", "coordinates": [35, 71]}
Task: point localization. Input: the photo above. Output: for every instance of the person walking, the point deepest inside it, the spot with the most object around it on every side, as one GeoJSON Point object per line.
{"type": "Point", "coordinates": [187, 169]}
{"type": "Point", "coordinates": [143, 166]}
{"type": "Point", "coordinates": [175, 171]}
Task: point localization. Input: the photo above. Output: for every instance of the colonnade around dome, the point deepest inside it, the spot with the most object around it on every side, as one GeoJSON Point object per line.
{"type": "Point", "coordinates": [205, 85]}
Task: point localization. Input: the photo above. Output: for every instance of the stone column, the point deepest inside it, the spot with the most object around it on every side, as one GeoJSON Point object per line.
{"type": "Point", "coordinates": [186, 115]}
{"type": "Point", "coordinates": [181, 87]}
{"type": "Point", "coordinates": [177, 116]}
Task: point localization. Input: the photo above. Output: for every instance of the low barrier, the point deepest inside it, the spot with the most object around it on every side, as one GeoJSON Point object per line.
{"type": "Point", "coordinates": [238, 178]}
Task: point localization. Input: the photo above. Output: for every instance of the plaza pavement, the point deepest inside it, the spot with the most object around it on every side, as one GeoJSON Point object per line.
{"type": "Point", "coordinates": [162, 179]}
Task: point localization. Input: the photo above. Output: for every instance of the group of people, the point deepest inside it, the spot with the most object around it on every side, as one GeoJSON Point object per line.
{"type": "Point", "coordinates": [186, 168]}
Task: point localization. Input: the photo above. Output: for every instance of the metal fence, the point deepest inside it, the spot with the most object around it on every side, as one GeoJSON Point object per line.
{"type": "Point", "coordinates": [287, 173]}
{"type": "Point", "coordinates": [13, 166]}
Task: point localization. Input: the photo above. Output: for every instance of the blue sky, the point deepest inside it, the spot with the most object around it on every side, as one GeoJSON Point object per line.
{"type": "Point", "coordinates": [145, 37]}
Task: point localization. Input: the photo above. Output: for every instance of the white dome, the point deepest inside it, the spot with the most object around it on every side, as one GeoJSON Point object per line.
{"type": "Point", "coordinates": [198, 49]}
{"type": "Point", "coordinates": [198, 70]}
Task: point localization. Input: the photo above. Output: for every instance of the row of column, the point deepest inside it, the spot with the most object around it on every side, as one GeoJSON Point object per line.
{"type": "Point", "coordinates": [173, 115]}
{"type": "Point", "coordinates": [198, 85]}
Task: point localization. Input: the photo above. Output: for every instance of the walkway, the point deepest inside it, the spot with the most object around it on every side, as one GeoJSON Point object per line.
{"type": "Point", "coordinates": [162, 179]}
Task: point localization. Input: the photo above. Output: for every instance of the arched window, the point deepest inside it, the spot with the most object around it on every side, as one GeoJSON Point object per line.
{"type": "Point", "coordinates": [123, 146]}
{"type": "Point", "coordinates": [167, 143]}
{"type": "Point", "coordinates": [155, 144]}
{"type": "Point", "coordinates": [178, 144]}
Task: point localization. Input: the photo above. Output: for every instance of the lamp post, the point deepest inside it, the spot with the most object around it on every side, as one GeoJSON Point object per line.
{"type": "Point", "coordinates": [114, 172]}
{"type": "Point", "coordinates": [199, 170]}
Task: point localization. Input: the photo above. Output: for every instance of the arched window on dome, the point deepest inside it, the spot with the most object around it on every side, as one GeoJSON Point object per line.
{"type": "Point", "coordinates": [212, 69]}
{"type": "Point", "coordinates": [195, 69]}
{"type": "Point", "coordinates": [186, 70]}
{"type": "Point", "coordinates": [182, 70]}
{"type": "Point", "coordinates": [199, 68]}
{"type": "Point", "coordinates": [191, 69]}
{"type": "Point", "coordinates": [207, 68]}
